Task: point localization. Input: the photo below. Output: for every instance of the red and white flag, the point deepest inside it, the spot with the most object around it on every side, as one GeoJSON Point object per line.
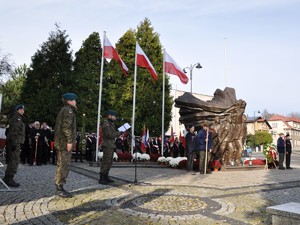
{"type": "Point", "coordinates": [143, 61]}
{"type": "Point", "coordinates": [111, 53]}
{"type": "Point", "coordinates": [171, 67]}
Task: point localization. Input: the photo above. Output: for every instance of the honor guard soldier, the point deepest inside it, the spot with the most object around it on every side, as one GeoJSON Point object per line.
{"type": "Point", "coordinates": [109, 134]}
{"type": "Point", "coordinates": [15, 137]}
{"type": "Point", "coordinates": [65, 141]}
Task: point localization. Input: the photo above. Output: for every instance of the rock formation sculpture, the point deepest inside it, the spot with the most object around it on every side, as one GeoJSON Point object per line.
{"type": "Point", "coordinates": [225, 116]}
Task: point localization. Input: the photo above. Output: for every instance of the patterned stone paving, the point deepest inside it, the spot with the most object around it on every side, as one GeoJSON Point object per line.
{"type": "Point", "coordinates": [162, 196]}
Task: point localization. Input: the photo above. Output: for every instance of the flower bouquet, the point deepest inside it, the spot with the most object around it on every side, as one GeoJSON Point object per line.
{"type": "Point", "coordinates": [215, 165]}
{"type": "Point", "coordinates": [270, 152]}
{"type": "Point", "coordinates": [124, 156]}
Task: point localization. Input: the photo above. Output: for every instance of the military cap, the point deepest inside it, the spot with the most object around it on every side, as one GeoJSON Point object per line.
{"type": "Point", "coordinates": [111, 112]}
{"type": "Point", "coordinates": [20, 106]}
{"type": "Point", "coordinates": [69, 96]}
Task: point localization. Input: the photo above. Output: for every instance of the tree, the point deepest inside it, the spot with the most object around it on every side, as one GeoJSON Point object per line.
{"type": "Point", "coordinates": [119, 92]}
{"type": "Point", "coordinates": [265, 114]}
{"type": "Point", "coordinates": [49, 77]}
{"type": "Point", "coordinates": [259, 138]}
{"type": "Point", "coordinates": [86, 75]}
{"type": "Point", "coordinates": [13, 88]}
{"type": "Point", "coordinates": [6, 68]}
{"type": "Point", "coordinates": [295, 115]}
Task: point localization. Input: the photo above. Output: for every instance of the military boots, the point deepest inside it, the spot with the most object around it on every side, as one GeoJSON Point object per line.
{"type": "Point", "coordinates": [10, 182]}
{"type": "Point", "coordinates": [102, 179]}
{"type": "Point", "coordinates": [108, 179]}
{"type": "Point", "coordinates": [61, 192]}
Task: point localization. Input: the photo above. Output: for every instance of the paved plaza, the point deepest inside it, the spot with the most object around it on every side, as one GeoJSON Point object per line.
{"type": "Point", "coordinates": [161, 196]}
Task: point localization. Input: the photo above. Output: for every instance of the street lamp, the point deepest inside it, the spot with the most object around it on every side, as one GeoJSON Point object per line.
{"type": "Point", "coordinates": [198, 66]}
{"type": "Point", "coordinates": [254, 121]}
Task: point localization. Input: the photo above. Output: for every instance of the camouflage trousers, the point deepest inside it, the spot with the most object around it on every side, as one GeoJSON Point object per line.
{"type": "Point", "coordinates": [12, 159]}
{"type": "Point", "coordinates": [63, 166]}
{"type": "Point", "coordinates": [108, 154]}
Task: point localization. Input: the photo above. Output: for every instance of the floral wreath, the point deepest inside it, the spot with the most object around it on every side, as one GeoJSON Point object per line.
{"type": "Point", "coordinates": [270, 152]}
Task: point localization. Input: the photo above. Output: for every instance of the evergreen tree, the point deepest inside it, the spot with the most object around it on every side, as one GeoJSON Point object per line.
{"type": "Point", "coordinates": [148, 92]}
{"type": "Point", "coordinates": [87, 66]}
{"type": "Point", "coordinates": [49, 78]}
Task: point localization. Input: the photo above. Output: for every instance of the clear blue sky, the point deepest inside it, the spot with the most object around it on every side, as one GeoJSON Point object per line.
{"type": "Point", "coordinates": [263, 39]}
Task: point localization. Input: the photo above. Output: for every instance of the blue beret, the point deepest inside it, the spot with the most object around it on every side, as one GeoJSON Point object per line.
{"type": "Point", "coordinates": [20, 106]}
{"type": "Point", "coordinates": [111, 112]}
{"type": "Point", "coordinates": [69, 96]}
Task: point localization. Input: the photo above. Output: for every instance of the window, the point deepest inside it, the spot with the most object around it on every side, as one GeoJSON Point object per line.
{"type": "Point", "coordinates": [274, 125]}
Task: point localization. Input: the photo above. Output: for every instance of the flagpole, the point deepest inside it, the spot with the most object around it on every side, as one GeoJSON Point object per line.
{"type": "Point", "coordinates": [133, 115]}
{"type": "Point", "coordinates": [163, 109]}
{"type": "Point", "coordinates": [99, 100]}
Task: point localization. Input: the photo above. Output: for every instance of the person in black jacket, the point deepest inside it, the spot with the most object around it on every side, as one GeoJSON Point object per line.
{"type": "Point", "coordinates": [288, 149]}
{"type": "Point", "coordinates": [15, 138]}
{"type": "Point", "coordinates": [281, 150]}
{"type": "Point", "coordinates": [190, 148]}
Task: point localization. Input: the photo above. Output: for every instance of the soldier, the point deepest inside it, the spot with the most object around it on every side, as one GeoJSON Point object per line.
{"type": "Point", "coordinates": [64, 141]}
{"type": "Point", "coordinates": [15, 137]}
{"type": "Point", "coordinates": [109, 133]}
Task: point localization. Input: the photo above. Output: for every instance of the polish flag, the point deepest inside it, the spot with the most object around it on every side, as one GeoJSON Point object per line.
{"type": "Point", "coordinates": [143, 61]}
{"type": "Point", "coordinates": [111, 53]}
{"type": "Point", "coordinates": [171, 67]}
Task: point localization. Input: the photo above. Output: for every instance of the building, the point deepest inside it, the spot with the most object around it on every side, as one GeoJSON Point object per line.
{"type": "Point", "coordinates": [257, 124]}
{"type": "Point", "coordinates": [286, 125]}
{"type": "Point", "coordinates": [177, 126]}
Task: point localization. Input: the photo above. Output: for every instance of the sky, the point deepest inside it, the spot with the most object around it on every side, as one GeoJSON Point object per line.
{"type": "Point", "coordinates": [251, 46]}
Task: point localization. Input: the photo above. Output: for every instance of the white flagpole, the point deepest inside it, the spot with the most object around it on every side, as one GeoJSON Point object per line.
{"type": "Point", "coordinates": [100, 96]}
{"type": "Point", "coordinates": [163, 108]}
{"type": "Point", "coordinates": [133, 109]}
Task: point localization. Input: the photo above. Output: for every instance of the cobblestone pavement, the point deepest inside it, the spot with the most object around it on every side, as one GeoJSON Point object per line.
{"type": "Point", "coordinates": [159, 196]}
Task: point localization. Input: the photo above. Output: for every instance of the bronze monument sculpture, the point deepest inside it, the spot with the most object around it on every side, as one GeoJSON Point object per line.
{"type": "Point", "coordinates": [226, 118]}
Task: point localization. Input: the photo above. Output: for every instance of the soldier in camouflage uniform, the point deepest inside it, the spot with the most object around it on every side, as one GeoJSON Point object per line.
{"type": "Point", "coordinates": [14, 140]}
{"type": "Point", "coordinates": [109, 135]}
{"type": "Point", "coordinates": [65, 141]}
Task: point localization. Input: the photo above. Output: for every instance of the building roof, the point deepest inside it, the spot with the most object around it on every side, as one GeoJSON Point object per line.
{"type": "Point", "coordinates": [285, 120]}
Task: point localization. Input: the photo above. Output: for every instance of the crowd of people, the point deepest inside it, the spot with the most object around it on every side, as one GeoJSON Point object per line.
{"type": "Point", "coordinates": [38, 144]}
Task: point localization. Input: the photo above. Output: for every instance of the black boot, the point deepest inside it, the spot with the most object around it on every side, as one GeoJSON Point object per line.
{"type": "Point", "coordinates": [108, 179]}
{"type": "Point", "coordinates": [9, 180]}
{"type": "Point", "coordinates": [61, 192]}
{"type": "Point", "coordinates": [103, 179]}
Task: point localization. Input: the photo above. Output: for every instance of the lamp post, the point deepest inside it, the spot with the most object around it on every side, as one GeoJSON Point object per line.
{"type": "Point", "coordinates": [191, 67]}
{"type": "Point", "coordinates": [254, 122]}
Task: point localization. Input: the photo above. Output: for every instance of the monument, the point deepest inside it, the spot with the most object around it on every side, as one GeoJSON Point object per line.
{"type": "Point", "coordinates": [225, 116]}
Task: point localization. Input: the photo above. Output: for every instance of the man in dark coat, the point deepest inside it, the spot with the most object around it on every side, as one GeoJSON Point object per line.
{"type": "Point", "coordinates": [288, 148]}
{"type": "Point", "coordinates": [65, 141]}
{"type": "Point", "coordinates": [15, 138]}
{"type": "Point", "coordinates": [281, 150]}
{"type": "Point", "coordinates": [45, 142]}
{"type": "Point", "coordinates": [36, 144]}
{"type": "Point", "coordinates": [190, 148]}
{"type": "Point", "coordinates": [109, 134]}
